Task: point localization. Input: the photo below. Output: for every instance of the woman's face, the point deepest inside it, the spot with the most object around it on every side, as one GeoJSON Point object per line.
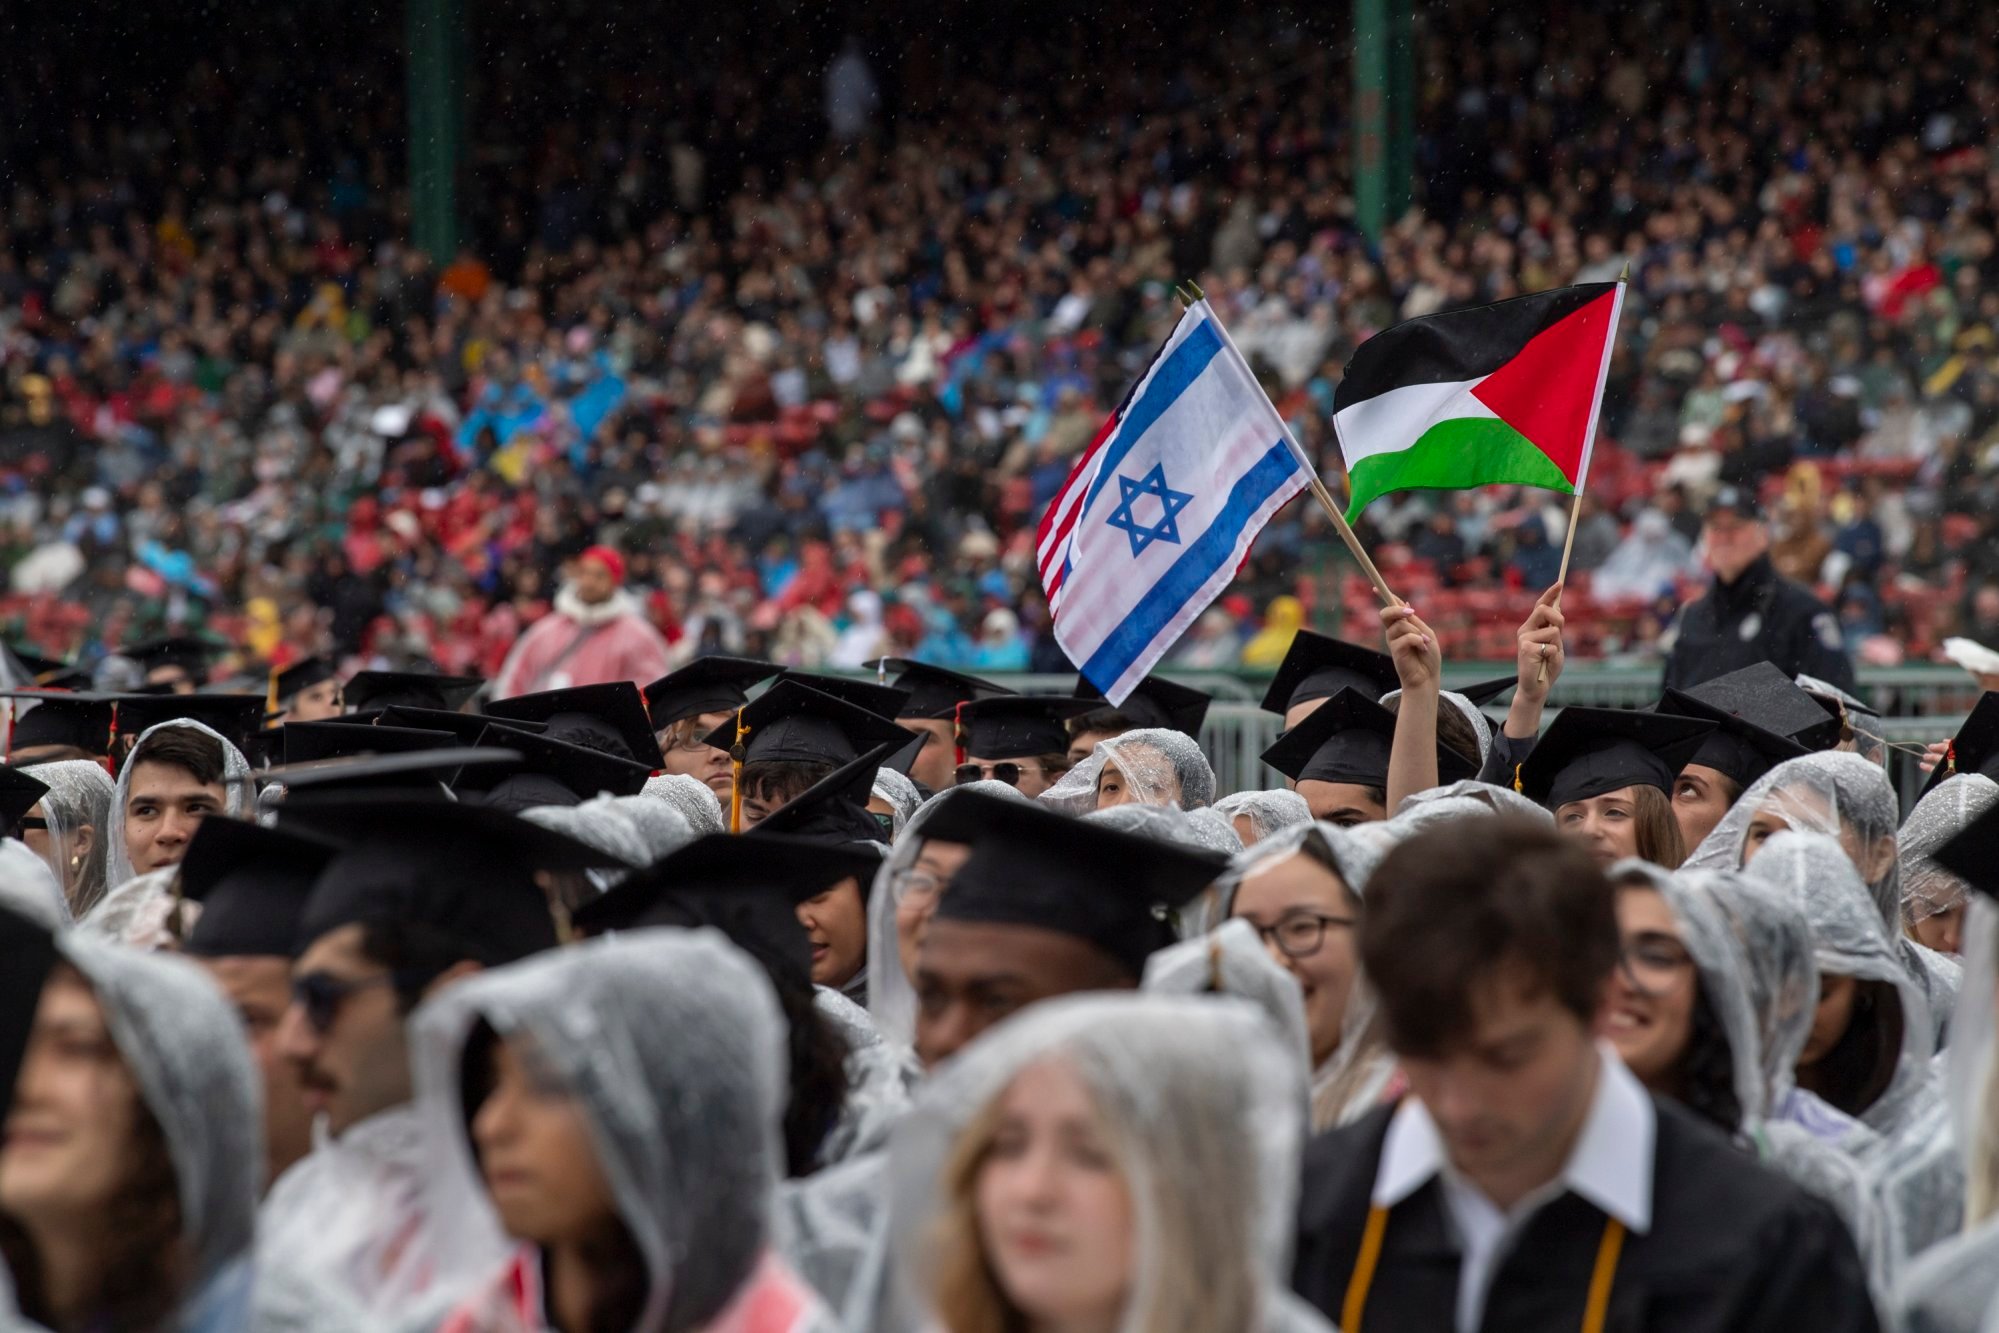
{"type": "Point", "coordinates": [685, 754]}
{"type": "Point", "coordinates": [926, 878]}
{"type": "Point", "coordinates": [536, 1156]}
{"type": "Point", "coordinates": [38, 838]}
{"type": "Point", "coordinates": [1782, 810]}
{"type": "Point", "coordinates": [1701, 796]}
{"type": "Point", "coordinates": [836, 925]}
{"type": "Point", "coordinates": [1607, 824]}
{"type": "Point", "coordinates": [1054, 1215]}
{"type": "Point", "coordinates": [69, 1137]}
{"type": "Point", "coordinates": [1306, 916]}
{"type": "Point", "coordinates": [1942, 931]}
{"type": "Point", "coordinates": [1832, 1018]}
{"type": "Point", "coordinates": [1652, 993]}
{"type": "Point", "coordinates": [1115, 789]}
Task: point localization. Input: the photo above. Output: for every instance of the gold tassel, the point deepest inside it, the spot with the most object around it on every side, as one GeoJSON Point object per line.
{"type": "Point", "coordinates": [271, 692]}
{"type": "Point", "coordinates": [736, 756]}
{"type": "Point", "coordinates": [1517, 784]}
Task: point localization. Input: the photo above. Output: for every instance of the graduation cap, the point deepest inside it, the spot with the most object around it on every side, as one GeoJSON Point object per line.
{"type": "Point", "coordinates": [1016, 726]}
{"type": "Point", "coordinates": [1482, 692]}
{"type": "Point", "coordinates": [186, 651]}
{"type": "Point", "coordinates": [30, 951]}
{"type": "Point", "coordinates": [1155, 702]}
{"type": "Point", "coordinates": [1738, 748]}
{"type": "Point", "coordinates": [1972, 854]}
{"type": "Point", "coordinates": [63, 717]}
{"type": "Point", "coordinates": [705, 685]}
{"type": "Point", "coordinates": [934, 692]}
{"type": "Point", "coordinates": [467, 727]}
{"type": "Point", "coordinates": [307, 741]}
{"type": "Point", "coordinates": [1763, 695]}
{"type": "Point", "coordinates": [835, 808]}
{"type": "Point", "coordinates": [1975, 748]}
{"type": "Point", "coordinates": [51, 673]}
{"type": "Point", "coordinates": [288, 682]}
{"type": "Point", "coordinates": [609, 717]}
{"type": "Point", "coordinates": [422, 771]}
{"type": "Point", "coordinates": [1349, 740]}
{"type": "Point", "coordinates": [1835, 700]}
{"type": "Point", "coordinates": [1029, 866]}
{"type": "Point", "coordinates": [1589, 751]}
{"type": "Point", "coordinates": [465, 872]}
{"type": "Point", "coordinates": [795, 722]}
{"type": "Point", "coordinates": [252, 883]}
{"type": "Point", "coordinates": [18, 793]}
{"type": "Point", "coordinates": [748, 887]}
{"type": "Point", "coordinates": [1318, 667]}
{"type": "Point", "coordinates": [235, 717]}
{"type": "Point", "coordinates": [549, 772]}
{"type": "Point", "coordinates": [901, 761]}
{"type": "Point", "coordinates": [885, 701]}
{"type": "Point", "coordinates": [371, 690]}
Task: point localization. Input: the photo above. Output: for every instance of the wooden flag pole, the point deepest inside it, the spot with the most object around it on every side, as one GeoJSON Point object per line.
{"type": "Point", "coordinates": [1191, 294]}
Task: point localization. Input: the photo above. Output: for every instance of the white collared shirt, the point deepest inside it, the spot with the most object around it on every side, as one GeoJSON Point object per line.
{"type": "Point", "coordinates": [1610, 1167]}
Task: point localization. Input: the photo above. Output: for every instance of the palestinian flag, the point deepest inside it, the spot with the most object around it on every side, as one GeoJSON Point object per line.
{"type": "Point", "coordinates": [1504, 393]}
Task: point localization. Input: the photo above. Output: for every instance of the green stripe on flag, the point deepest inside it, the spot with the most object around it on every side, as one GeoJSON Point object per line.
{"type": "Point", "coordinates": [1455, 455]}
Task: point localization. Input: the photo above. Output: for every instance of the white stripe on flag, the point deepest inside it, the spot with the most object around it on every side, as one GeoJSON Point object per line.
{"type": "Point", "coordinates": [1390, 422]}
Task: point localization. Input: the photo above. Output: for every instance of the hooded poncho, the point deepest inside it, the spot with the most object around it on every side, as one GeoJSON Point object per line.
{"type": "Point", "coordinates": [1927, 888]}
{"type": "Point", "coordinates": [239, 795]}
{"type": "Point", "coordinates": [692, 798]}
{"type": "Point", "coordinates": [1266, 811]}
{"type": "Point", "coordinates": [1160, 767]}
{"type": "Point", "coordinates": [79, 796]}
{"type": "Point", "coordinates": [901, 795]}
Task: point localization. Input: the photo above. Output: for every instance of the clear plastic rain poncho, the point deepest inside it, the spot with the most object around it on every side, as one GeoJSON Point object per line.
{"type": "Point", "coordinates": [1480, 724]}
{"type": "Point", "coordinates": [1927, 888]}
{"type": "Point", "coordinates": [1849, 799]}
{"type": "Point", "coordinates": [901, 794]}
{"type": "Point", "coordinates": [28, 888]}
{"type": "Point", "coordinates": [693, 798]}
{"type": "Point", "coordinates": [1231, 960]}
{"type": "Point", "coordinates": [1948, 1288]}
{"type": "Point", "coordinates": [1160, 767]}
{"type": "Point", "coordinates": [662, 829]}
{"type": "Point", "coordinates": [891, 997]}
{"type": "Point", "coordinates": [1701, 903]}
{"type": "Point", "coordinates": [1351, 1080]}
{"type": "Point", "coordinates": [620, 1022]}
{"type": "Point", "coordinates": [1849, 940]}
{"type": "Point", "coordinates": [1201, 1104]}
{"type": "Point", "coordinates": [1204, 828]}
{"type": "Point", "coordinates": [1456, 800]}
{"type": "Point", "coordinates": [1266, 811]}
{"type": "Point", "coordinates": [142, 913]}
{"type": "Point", "coordinates": [183, 1044]}
{"type": "Point", "coordinates": [600, 823]}
{"type": "Point", "coordinates": [79, 796]}
{"type": "Point", "coordinates": [239, 797]}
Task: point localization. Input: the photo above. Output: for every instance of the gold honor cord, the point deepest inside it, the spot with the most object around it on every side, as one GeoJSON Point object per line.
{"type": "Point", "coordinates": [1596, 1309]}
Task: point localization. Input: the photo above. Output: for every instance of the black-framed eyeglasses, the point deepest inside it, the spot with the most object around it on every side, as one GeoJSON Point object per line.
{"type": "Point", "coordinates": [26, 822]}
{"type": "Point", "coordinates": [321, 995]}
{"type": "Point", "coordinates": [1302, 934]}
{"type": "Point", "coordinates": [1655, 962]}
{"type": "Point", "coordinates": [1005, 771]}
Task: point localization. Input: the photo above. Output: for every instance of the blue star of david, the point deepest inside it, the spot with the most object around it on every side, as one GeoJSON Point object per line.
{"type": "Point", "coordinates": [1171, 502]}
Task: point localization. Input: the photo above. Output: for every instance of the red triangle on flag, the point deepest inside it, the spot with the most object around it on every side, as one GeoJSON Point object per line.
{"type": "Point", "coordinates": [1546, 391]}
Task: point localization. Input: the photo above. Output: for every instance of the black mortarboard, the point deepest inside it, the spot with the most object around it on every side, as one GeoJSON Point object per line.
{"type": "Point", "coordinates": [904, 759]}
{"type": "Point", "coordinates": [1483, 692]}
{"type": "Point", "coordinates": [51, 673]}
{"type": "Point", "coordinates": [1032, 867]}
{"type": "Point", "coordinates": [367, 690]}
{"type": "Point", "coordinates": [1155, 702]}
{"type": "Point", "coordinates": [18, 793]}
{"type": "Point", "coordinates": [467, 727]}
{"type": "Point", "coordinates": [1972, 854]}
{"type": "Point", "coordinates": [236, 717]}
{"type": "Point", "coordinates": [1738, 749]}
{"type": "Point", "coordinates": [933, 691]}
{"type": "Point", "coordinates": [425, 771]}
{"type": "Point", "coordinates": [747, 887]}
{"type": "Point", "coordinates": [1016, 726]}
{"type": "Point", "coordinates": [1318, 667]}
{"type": "Point", "coordinates": [189, 653]}
{"type": "Point", "coordinates": [835, 808]}
{"type": "Point", "coordinates": [705, 685]}
{"type": "Point", "coordinates": [1975, 748]}
{"type": "Point", "coordinates": [884, 701]}
{"type": "Point", "coordinates": [62, 717]}
{"type": "Point", "coordinates": [466, 872]}
{"type": "Point", "coordinates": [549, 772]}
{"type": "Point", "coordinates": [1763, 695]}
{"type": "Point", "coordinates": [1348, 739]}
{"type": "Point", "coordinates": [1835, 700]}
{"type": "Point", "coordinates": [1589, 751]}
{"type": "Point", "coordinates": [300, 675]}
{"type": "Point", "coordinates": [791, 721]}
{"type": "Point", "coordinates": [304, 742]}
{"type": "Point", "coordinates": [30, 951]}
{"type": "Point", "coordinates": [252, 884]}
{"type": "Point", "coordinates": [609, 717]}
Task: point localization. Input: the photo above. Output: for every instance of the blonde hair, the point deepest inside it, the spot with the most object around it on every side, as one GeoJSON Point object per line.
{"type": "Point", "coordinates": [1194, 1201]}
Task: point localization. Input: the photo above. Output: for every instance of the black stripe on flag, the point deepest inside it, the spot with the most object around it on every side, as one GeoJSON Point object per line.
{"type": "Point", "coordinates": [1456, 344]}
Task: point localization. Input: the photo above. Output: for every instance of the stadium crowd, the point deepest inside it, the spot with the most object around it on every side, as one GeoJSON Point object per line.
{"type": "Point", "coordinates": [810, 331]}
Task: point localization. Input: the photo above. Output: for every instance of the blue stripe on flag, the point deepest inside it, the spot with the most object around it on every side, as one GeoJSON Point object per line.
{"type": "Point", "coordinates": [1181, 369]}
{"type": "Point", "coordinates": [1196, 565]}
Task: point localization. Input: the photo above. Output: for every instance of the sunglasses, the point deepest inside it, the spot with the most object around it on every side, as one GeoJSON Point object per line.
{"type": "Point", "coordinates": [24, 823]}
{"type": "Point", "coordinates": [1009, 773]}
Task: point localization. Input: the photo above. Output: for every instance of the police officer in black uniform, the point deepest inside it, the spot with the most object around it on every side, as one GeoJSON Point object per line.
{"type": "Point", "coordinates": [1752, 613]}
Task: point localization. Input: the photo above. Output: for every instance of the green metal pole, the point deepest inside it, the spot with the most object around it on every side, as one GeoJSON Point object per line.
{"type": "Point", "coordinates": [436, 122]}
{"type": "Point", "coordinates": [1370, 115]}
{"type": "Point", "coordinates": [1400, 168]}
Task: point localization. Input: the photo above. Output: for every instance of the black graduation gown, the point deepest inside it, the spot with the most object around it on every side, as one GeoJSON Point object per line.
{"type": "Point", "coordinates": [1734, 1248]}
